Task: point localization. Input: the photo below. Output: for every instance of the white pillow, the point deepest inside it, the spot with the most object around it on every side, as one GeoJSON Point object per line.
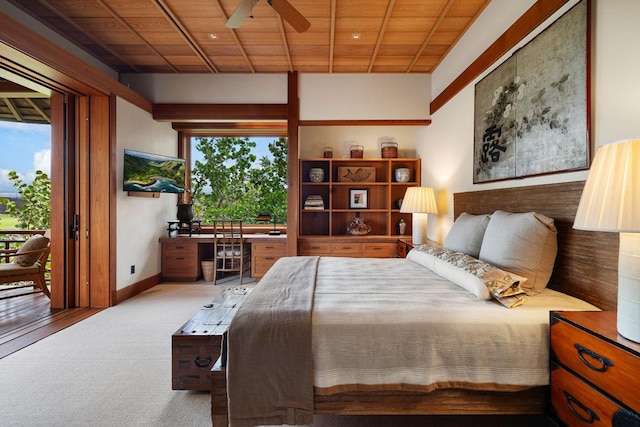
{"type": "Point", "coordinates": [523, 243]}
{"type": "Point", "coordinates": [467, 233]}
{"type": "Point", "coordinates": [479, 278]}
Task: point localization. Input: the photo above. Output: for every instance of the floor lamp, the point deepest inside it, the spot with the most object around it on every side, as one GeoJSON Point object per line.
{"type": "Point", "coordinates": [611, 202]}
{"type": "Point", "coordinates": [420, 201]}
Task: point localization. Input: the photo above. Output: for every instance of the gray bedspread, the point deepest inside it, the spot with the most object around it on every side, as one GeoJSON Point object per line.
{"type": "Point", "coordinates": [270, 366]}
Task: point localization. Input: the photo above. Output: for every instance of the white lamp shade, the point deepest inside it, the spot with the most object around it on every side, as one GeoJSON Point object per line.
{"type": "Point", "coordinates": [611, 202]}
{"type": "Point", "coordinates": [611, 196]}
{"type": "Point", "coordinates": [419, 200]}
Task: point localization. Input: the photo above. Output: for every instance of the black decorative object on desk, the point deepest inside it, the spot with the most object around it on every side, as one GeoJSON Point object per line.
{"type": "Point", "coordinates": [185, 212]}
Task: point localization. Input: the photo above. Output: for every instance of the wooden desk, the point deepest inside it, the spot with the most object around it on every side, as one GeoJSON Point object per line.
{"type": "Point", "coordinates": [181, 255]}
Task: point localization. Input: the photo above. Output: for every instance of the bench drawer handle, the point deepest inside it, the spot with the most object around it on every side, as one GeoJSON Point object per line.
{"type": "Point", "coordinates": [571, 401]}
{"type": "Point", "coordinates": [202, 363]}
{"type": "Point", "coordinates": [603, 362]}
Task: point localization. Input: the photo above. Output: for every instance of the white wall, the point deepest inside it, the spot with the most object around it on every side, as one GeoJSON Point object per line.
{"type": "Point", "coordinates": [209, 88]}
{"type": "Point", "coordinates": [364, 96]}
{"type": "Point", "coordinates": [141, 221]}
{"type": "Point", "coordinates": [446, 146]}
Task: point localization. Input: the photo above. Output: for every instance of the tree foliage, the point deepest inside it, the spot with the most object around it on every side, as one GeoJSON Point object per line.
{"type": "Point", "coordinates": [35, 212]}
{"type": "Point", "coordinates": [231, 183]}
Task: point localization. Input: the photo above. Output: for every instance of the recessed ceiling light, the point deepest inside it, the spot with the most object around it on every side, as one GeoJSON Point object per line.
{"type": "Point", "coordinates": [213, 36]}
{"type": "Point", "coordinates": [356, 36]}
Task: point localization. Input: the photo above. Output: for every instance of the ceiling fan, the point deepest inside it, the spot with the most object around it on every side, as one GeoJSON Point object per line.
{"type": "Point", "coordinates": [283, 7]}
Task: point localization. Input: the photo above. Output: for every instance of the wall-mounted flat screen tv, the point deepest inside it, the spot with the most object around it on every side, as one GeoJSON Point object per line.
{"type": "Point", "coordinates": [153, 173]}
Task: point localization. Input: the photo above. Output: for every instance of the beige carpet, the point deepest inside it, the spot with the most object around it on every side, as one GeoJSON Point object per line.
{"type": "Point", "coordinates": [114, 369]}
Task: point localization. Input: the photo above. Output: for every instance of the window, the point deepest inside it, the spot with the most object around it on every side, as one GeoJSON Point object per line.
{"type": "Point", "coordinates": [239, 177]}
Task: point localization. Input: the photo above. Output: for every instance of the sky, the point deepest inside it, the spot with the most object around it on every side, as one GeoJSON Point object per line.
{"type": "Point", "coordinates": [24, 148]}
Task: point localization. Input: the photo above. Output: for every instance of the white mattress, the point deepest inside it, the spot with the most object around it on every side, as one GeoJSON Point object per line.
{"type": "Point", "coordinates": [393, 322]}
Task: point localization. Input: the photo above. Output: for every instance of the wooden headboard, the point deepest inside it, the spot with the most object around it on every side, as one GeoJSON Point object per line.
{"type": "Point", "coordinates": [587, 262]}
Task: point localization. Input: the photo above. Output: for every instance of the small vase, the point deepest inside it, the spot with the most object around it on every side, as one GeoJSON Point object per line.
{"type": "Point", "coordinates": [316, 175]}
{"type": "Point", "coordinates": [402, 174]}
{"type": "Point", "coordinates": [185, 212]}
{"type": "Point", "coordinates": [402, 226]}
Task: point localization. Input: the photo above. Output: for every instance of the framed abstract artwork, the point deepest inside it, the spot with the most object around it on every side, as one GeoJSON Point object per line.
{"type": "Point", "coordinates": [531, 114]}
{"type": "Point", "coordinates": [358, 198]}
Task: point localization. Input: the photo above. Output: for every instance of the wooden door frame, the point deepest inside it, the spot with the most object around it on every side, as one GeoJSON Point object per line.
{"type": "Point", "coordinates": [32, 57]}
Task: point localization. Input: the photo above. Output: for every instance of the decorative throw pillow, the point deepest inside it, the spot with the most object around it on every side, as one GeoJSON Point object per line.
{"type": "Point", "coordinates": [481, 279]}
{"type": "Point", "coordinates": [35, 242]}
{"type": "Point", "coordinates": [467, 233]}
{"type": "Point", "coordinates": [524, 243]}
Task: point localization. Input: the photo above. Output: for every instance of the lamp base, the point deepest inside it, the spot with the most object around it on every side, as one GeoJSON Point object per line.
{"type": "Point", "coordinates": [420, 228]}
{"type": "Point", "coordinates": [629, 286]}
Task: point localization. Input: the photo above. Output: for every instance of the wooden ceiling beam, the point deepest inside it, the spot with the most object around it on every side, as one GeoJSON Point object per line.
{"type": "Point", "coordinates": [236, 40]}
{"type": "Point", "coordinates": [39, 110]}
{"type": "Point", "coordinates": [429, 36]}
{"type": "Point", "coordinates": [14, 110]}
{"type": "Point", "coordinates": [135, 33]}
{"type": "Point", "coordinates": [87, 34]}
{"type": "Point", "coordinates": [383, 29]}
{"type": "Point", "coordinates": [528, 22]}
{"type": "Point", "coordinates": [285, 44]}
{"type": "Point", "coordinates": [218, 112]}
{"type": "Point", "coordinates": [332, 35]}
{"type": "Point", "coordinates": [175, 22]}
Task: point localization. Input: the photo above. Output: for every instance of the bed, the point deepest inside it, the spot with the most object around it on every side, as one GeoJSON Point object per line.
{"type": "Point", "coordinates": [339, 349]}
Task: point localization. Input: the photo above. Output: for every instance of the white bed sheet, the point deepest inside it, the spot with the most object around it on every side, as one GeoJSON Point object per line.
{"type": "Point", "coordinates": [393, 322]}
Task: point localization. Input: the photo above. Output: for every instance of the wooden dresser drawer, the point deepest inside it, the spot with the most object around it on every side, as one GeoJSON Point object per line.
{"type": "Point", "coordinates": [607, 366]}
{"type": "Point", "coordinates": [576, 403]}
{"type": "Point", "coordinates": [346, 249]}
{"type": "Point", "coordinates": [378, 250]}
{"type": "Point", "coordinates": [314, 248]}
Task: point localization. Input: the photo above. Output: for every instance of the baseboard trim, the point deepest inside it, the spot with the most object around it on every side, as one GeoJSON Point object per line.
{"type": "Point", "coordinates": [137, 288]}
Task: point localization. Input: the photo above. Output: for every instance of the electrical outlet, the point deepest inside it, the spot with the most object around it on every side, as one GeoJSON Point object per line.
{"type": "Point", "coordinates": [133, 269]}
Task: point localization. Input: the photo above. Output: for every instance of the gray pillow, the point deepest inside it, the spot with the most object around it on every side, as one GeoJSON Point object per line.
{"type": "Point", "coordinates": [467, 233]}
{"type": "Point", "coordinates": [522, 243]}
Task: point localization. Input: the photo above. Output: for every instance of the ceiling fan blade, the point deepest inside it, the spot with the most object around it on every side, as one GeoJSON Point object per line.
{"type": "Point", "coordinates": [290, 14]}
{"type": "Point", "coordinates": [240, 14]}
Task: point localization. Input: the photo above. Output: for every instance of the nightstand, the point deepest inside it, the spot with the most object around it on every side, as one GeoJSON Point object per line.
{"type": "Point", "coordinates": [403, 247]}
{"type": "Point", "coordinates": [594, 371]}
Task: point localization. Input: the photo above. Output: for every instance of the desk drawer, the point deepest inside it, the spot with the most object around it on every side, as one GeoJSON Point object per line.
{"type": "Point", "coordinates": [608, 367]}
{"type": "Point", "coordinates": [269, 249]}
{"type": "Point", "coordinates": [262, 264]}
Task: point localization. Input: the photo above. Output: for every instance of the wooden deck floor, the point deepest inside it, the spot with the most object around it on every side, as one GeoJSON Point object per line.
{"type": "Point", "coordinates": [27, 319]}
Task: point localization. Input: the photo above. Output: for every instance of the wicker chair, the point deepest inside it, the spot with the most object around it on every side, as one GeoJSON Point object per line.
{"type": "Point", "coordinates": [27, 263]}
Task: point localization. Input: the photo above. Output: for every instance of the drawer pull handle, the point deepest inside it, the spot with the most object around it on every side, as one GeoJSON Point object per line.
{"type": "Point", "coordinates": [603, 361]}
{"type": "Point", "coordinates": [202, 363]}
{"type": "Point", "coordinates": [571, 401]}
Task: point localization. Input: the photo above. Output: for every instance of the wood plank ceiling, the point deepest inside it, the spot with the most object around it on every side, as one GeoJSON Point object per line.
{"type": "Point", "coordinates": [190, 36]}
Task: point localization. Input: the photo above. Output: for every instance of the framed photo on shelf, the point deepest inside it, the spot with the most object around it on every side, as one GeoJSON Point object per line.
{"type": "Point", "coordinates": [358, 198]}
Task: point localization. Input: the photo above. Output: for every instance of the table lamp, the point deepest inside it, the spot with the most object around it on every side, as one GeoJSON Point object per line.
{"type": "Point", "coordinates": [611, 202]}
{"type": "Point", "coordinates": [420, 201]}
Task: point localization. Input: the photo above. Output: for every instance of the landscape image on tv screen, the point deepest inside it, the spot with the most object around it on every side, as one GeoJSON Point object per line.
{"type": "Point", "coordinates": [145, 172]}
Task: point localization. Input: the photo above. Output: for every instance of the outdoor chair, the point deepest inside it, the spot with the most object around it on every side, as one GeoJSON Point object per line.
{"type": "Point", "coordinates": [27, 263]}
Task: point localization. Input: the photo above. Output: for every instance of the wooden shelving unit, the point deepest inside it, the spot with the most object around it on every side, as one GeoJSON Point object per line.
{"type": "Point", "coordinates": [383, 194]}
